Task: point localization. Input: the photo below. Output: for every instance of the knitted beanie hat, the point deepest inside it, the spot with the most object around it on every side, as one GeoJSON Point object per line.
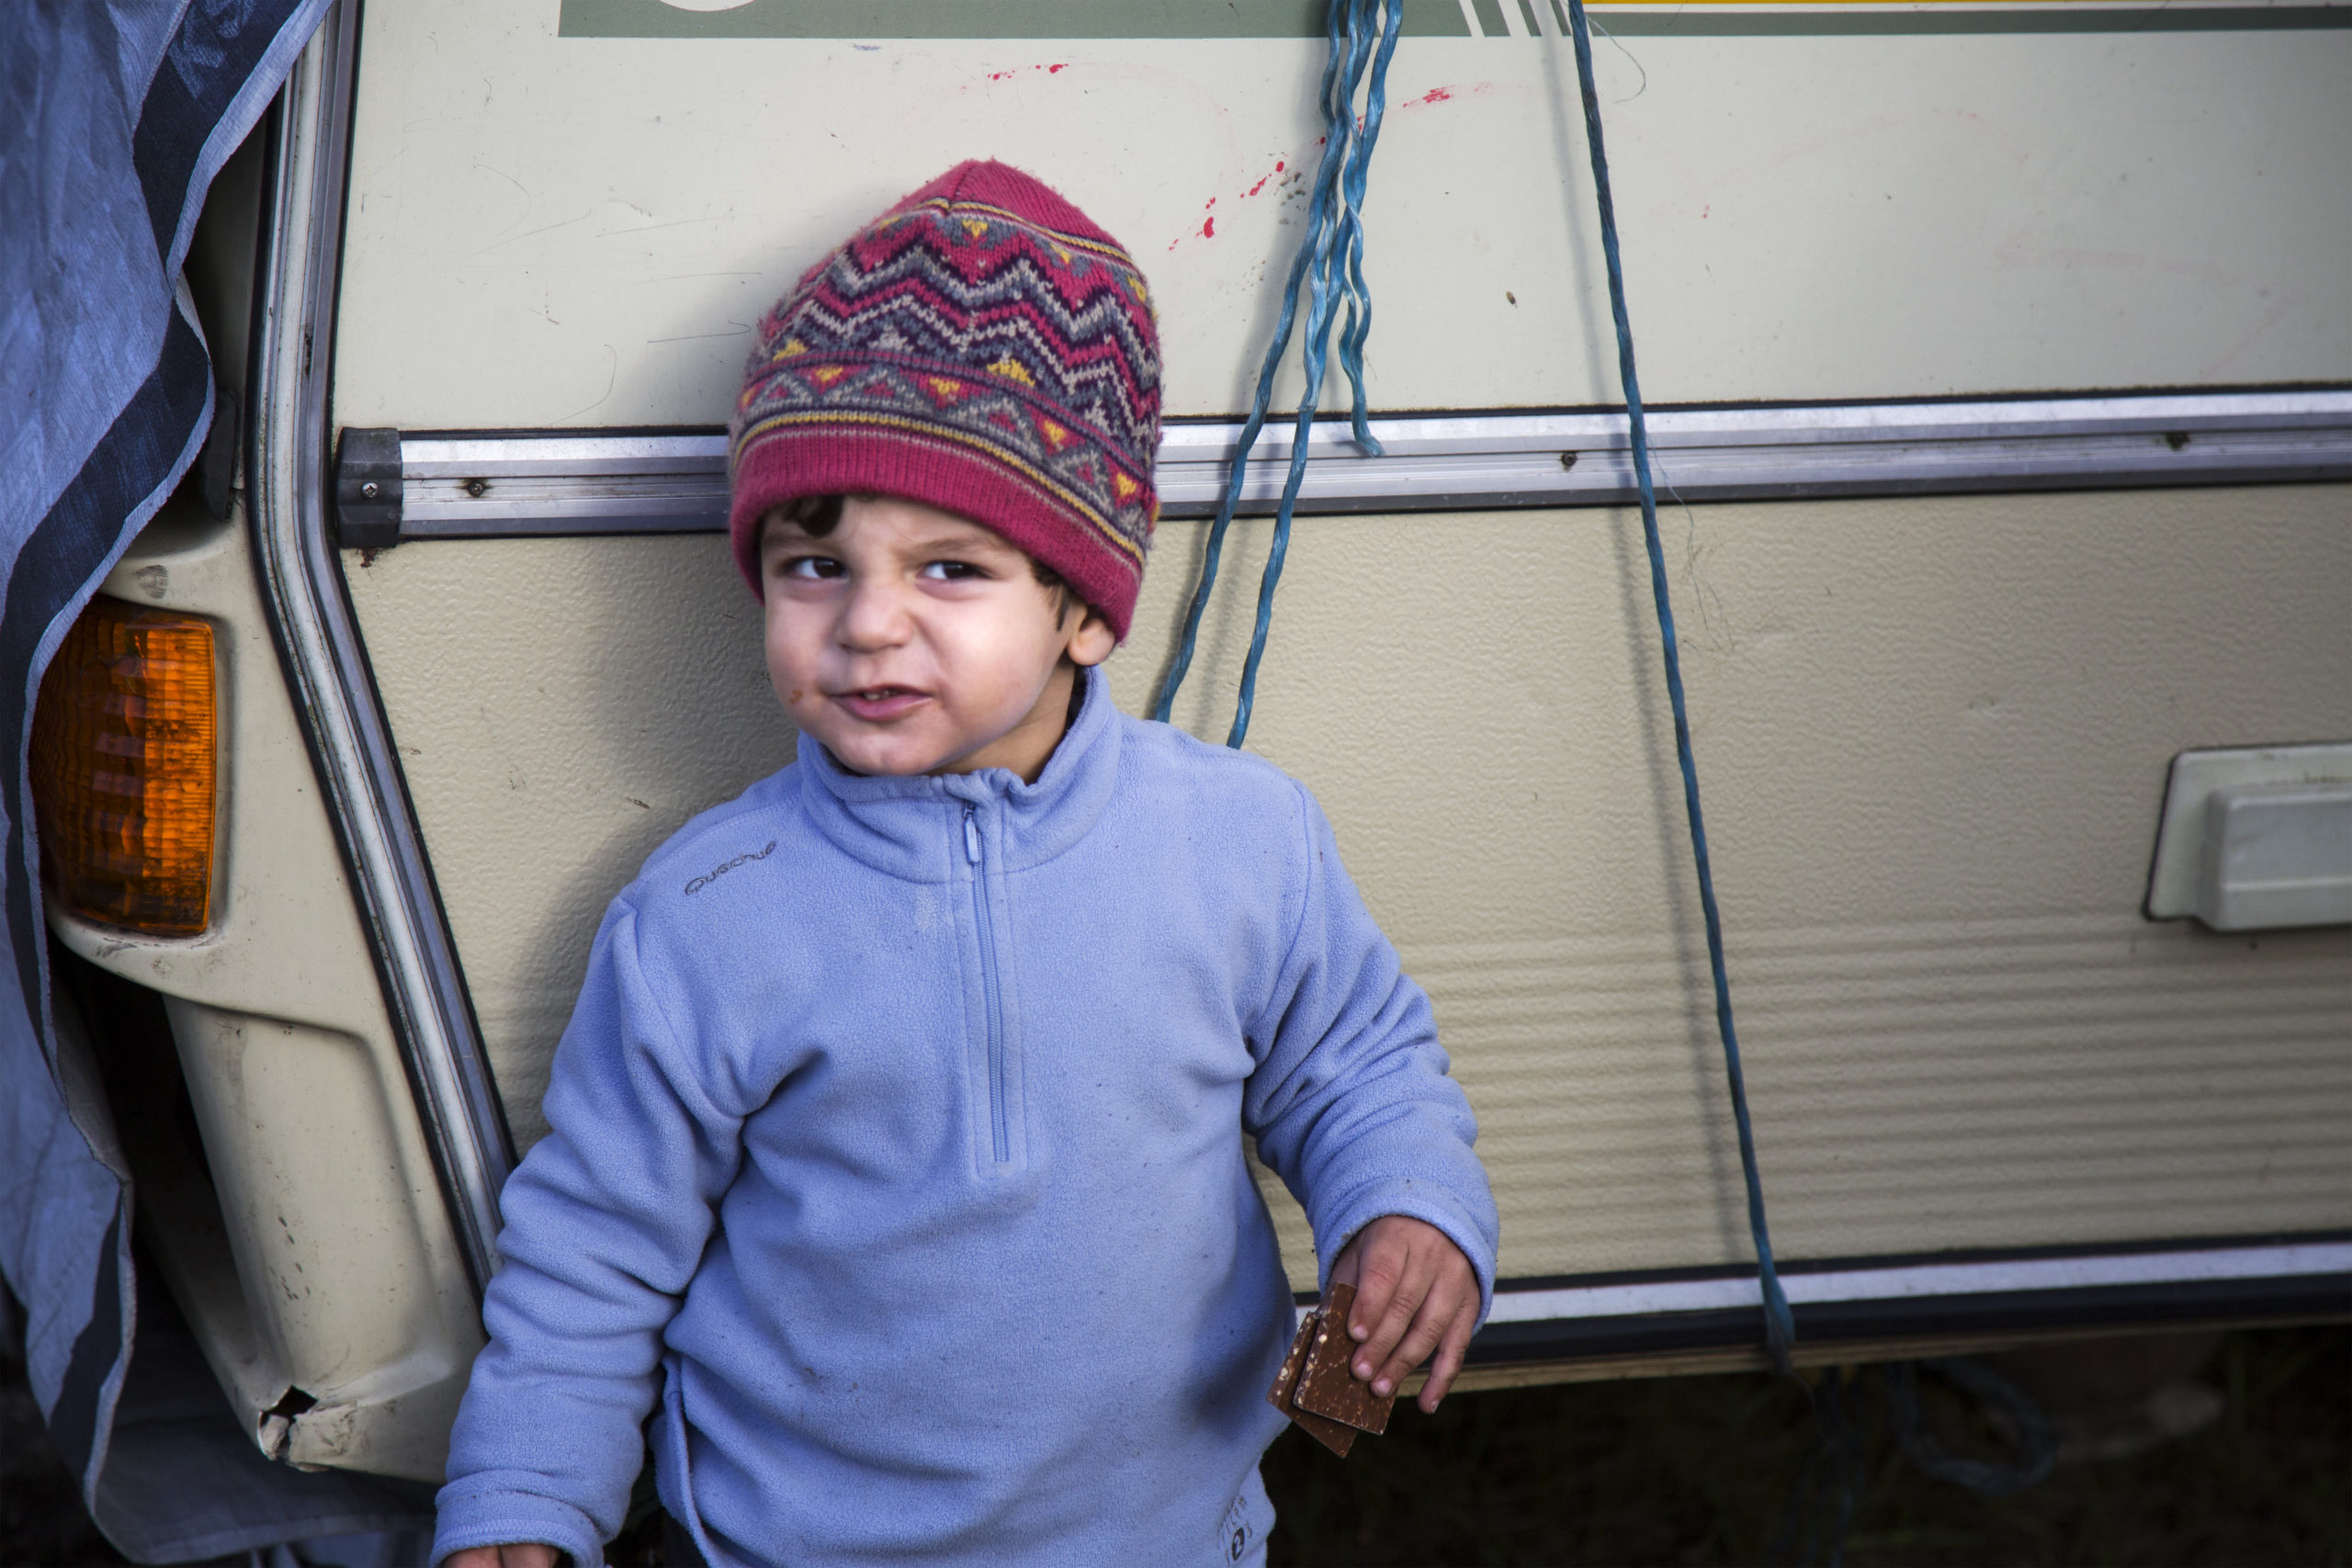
{"type": "Point", "coordinates": [981, 347]}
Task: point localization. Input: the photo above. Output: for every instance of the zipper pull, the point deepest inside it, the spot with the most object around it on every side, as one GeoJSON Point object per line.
{"type": "Point", "coordinates": [972, 837]}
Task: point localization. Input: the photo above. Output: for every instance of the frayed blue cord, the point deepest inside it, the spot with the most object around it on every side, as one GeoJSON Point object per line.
{"type": "Point", "coordinates": [1329, 261]}
{"type": "Point", "coordinates": [1779, 1325]}
{"type": "Point", "coordinates": [1332, 252]}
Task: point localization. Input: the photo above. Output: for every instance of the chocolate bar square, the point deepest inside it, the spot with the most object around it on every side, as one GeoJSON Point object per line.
{"type": "Point", "coordinates": [1327, 1385]}
{"type": "Point", "coordinates": [1333, 1435]}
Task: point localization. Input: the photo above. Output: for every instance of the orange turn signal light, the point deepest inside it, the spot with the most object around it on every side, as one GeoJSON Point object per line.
{"type": "Point", "coordinates": [125, 769]}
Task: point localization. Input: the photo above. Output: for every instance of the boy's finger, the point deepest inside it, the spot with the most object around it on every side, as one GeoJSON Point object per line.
{"type": "Point", "coordinates": [1440, 1311]}
{"type": "Point", "coordinates": [1449, 1354]}
{"type": "Point", "coordinates": [1344, 1268]}
{"type": "Point", "coordinates": [1380, 1266]}
{"type": "Point", "coordinates": [1404, 1307]}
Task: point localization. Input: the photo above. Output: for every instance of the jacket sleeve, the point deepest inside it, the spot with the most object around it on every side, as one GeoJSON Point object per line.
{"type": "Point", "coordinates": [1349, 1102]}
{"type": "Point", "coordinates": [606, 1220]}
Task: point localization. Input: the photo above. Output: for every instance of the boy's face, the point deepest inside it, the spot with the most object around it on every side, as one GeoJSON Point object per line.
{"type": "Point", "coordinates": [911, 641]}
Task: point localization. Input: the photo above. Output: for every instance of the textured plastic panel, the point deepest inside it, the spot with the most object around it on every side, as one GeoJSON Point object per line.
{"type": "Point", "coordinates": [1933, 734]}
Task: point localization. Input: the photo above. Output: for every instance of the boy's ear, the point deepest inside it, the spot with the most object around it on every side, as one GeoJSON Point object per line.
{"type": "Point", "coordinates": [1095, 639]}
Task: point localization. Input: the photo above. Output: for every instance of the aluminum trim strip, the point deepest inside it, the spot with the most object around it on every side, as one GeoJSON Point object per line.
{"type": "Point", "coordinates": [1934, 1280]}
{"type": "Point", "coordinates": [458, 457]}
{"type": "Point", "coordinates": [319, 646]}
{"type": "Point", "coordinates": [460, 486]}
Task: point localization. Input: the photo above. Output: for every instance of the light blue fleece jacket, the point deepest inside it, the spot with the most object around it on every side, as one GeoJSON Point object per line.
{"type": "Point", "coordinates": [895, 1157]}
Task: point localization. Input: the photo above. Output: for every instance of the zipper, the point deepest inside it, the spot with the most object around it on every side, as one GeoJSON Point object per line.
{"type": "Point", "coordinates": [992, 998]}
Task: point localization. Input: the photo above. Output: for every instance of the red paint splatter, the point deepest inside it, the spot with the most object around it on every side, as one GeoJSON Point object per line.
{"type": "Point", "coordinates": [1207, 230]}
{"type": "Point", "coordinates": [1447, 94]}
{"type": "Point", "coordinates": [1052, 70]}
{"type": "Point", "coordinates": [1704, 210]}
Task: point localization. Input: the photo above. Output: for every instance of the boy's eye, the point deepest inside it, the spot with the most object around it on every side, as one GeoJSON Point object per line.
{"type": "Point", "coordinates": [953, 572]}
{"type": "Point", "coordinates": [810, 567]}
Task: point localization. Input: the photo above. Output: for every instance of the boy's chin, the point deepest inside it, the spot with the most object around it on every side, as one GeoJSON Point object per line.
{"type": "Point", "coordinates": [863, 752]}
{"type": "Point", "coordinates": [930, 740]}
{"type": "Point", "coordinates": [883, 764]}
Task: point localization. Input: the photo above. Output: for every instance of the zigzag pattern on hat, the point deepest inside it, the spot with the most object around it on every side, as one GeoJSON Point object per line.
{"type": "Point", "coordinates": [1072, 468]}
{"type": "Point", "coordinates": [1085, 359]}
{"type": "Point", "coordinates": [983, 319]}
{"type": "Point", "coordinates": [1063, 382]}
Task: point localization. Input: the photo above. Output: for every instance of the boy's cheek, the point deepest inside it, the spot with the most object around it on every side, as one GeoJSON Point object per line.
{"type": "Point", "coordinates": [788, 672]}
{"type": "Point", "coordinates": [787, 634]}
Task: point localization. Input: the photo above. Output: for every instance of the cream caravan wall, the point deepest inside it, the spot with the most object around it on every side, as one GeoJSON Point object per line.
{"type": "Point", "coordinates": [554, 231]}
{"type": "Point", "coordinates": [1934, 731]}
{"type": "Point", "coordinates": [1934, 735]}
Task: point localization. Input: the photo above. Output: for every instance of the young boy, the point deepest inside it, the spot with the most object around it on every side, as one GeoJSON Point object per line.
{"type": "Point", "coordinates": [895, 1165]}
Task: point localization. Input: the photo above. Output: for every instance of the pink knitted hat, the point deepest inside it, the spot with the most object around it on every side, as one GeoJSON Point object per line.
{"type": "Point", "coordinates": [983, 348]}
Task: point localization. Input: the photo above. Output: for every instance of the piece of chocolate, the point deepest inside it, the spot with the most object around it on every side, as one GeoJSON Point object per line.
{"type": "Point", "coordinates": [1327, 1385]}
{"type": "Point", "coordinates": [1287, 1379]}
{"type": "Point", "coordinates": [1333, 1435]}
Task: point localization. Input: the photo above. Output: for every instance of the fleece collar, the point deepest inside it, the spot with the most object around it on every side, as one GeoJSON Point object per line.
{"type": "Point", "coordinates": [914, 827]}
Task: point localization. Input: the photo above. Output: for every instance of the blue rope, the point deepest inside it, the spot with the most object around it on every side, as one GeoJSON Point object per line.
{"type": "Point", "coordinates": [2036, 1443]}
{"type": "Point", "coordinates": [1329, 263]}
{"type": "Point", "coordinates": [1780, 1325]}
{"type": "Point", "coordinates": [1819, 1511]}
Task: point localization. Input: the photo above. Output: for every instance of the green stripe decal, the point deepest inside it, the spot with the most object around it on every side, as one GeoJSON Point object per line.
{"type": "Point", "coordinates": [1083, 19]}
{"type": "Point", "coordinates": [985, 19]}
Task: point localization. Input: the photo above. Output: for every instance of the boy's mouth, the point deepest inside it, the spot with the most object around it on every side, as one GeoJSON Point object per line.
{"type": "Point", "coordinates": [879, 702]}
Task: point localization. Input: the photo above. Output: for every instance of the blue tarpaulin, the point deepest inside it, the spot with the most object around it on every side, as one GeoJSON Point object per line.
{"type": "Point", "coordinates": [115, 116]}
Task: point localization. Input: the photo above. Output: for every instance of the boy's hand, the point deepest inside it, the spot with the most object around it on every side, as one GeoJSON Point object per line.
{"type": "Point", "coordinates": [1414, 1293]}
{"type": "Point", "coordinates": [524, 1554]}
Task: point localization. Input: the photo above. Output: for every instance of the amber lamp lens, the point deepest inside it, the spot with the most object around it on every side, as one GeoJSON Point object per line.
{"type": "Point", "coordinates": [123, 768]}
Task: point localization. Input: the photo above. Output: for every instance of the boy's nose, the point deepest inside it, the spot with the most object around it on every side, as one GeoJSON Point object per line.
{"type": "Point", "coordinates": [872, 615]}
